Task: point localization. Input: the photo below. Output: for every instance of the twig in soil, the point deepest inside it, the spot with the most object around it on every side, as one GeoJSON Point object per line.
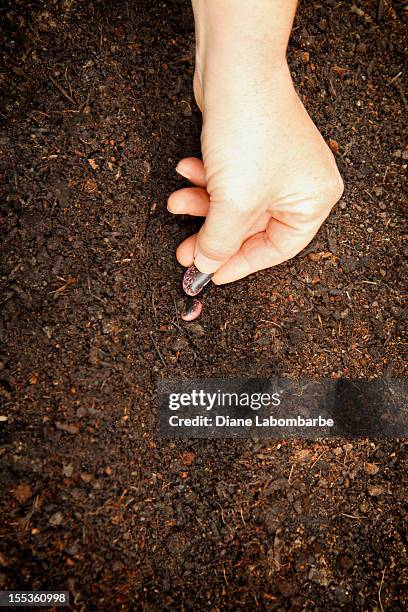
{"type": "Point", "coordinates": [272, 322]}
{"type": "Point", "coordinates": [256, 601]}
{"type": "Point", "coordinates": [291, 472]}
{"type": "Point", "coordinates": [68, 110]}
{"type": "Point", "coordinates": [85, 103]}
{"type": "Point", "coordinates": [154, 306]}
{"type": "Point", "coordinates": [379, 590]}
{"type": "Point", "coordinates": [157, 349]}
{"type": "Point", "coordinates": [318, 458]}
{"type": "Point", "coordinates": [62, 90]}
{"type": "Point", "coordinates": [177, 326]}
{"type": "Point", "coordinates": [105, 380]}
{"type": "Point", "coordinates": [69, 84]}
{"type": "Point", "coordinates": [397, 76]}
{"type": "Point", "coordinates": [188, 105]}
{"type": "Point", "coordinates": [351, 516]}
{"type": "Point", "coordinates": [177, 322]}
{"type": "Point", "coordinates": [175, 308]}
{"type": "Point", "coordinates": [25, 523]}
{"type": "Point", "coordinates": [69, 282]}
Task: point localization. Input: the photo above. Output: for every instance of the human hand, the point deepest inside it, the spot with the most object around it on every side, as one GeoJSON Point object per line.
{"type": "Point", "coordinates": [267, 180]}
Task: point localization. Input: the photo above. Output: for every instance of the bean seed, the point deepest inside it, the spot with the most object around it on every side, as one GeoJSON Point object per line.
{"type": "Point", "coordinates": [192, 309]}
{"type": "Point", "coordinates": [194, 280]}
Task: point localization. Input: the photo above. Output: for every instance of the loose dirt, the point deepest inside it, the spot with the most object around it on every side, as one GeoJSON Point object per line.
{"type": "Point", "coordinates": [97, 109]}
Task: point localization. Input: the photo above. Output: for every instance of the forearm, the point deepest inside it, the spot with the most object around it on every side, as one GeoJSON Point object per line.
{"type": "Point", "coordinates": [242, 35]}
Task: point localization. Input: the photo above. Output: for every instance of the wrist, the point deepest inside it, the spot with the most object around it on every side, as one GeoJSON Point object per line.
{"type": "Point", "coordinates": [241, 42]}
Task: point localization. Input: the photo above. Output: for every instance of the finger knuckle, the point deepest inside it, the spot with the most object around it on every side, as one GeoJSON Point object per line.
{"type": "Point", "coordinates": [335, 189]}
{"type": "Point", "coordinates": [219, 251]}
{"type": "Point", "coordinates": [327, 193]}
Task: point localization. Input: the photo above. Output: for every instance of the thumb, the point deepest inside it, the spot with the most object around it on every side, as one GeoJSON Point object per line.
{"type": "Point", "coordinates": [221, 236]}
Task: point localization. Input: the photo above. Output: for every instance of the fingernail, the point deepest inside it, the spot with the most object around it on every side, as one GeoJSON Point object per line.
{"type": "Point", "coordinates": [194, 280]}
{"type": "Point", "coordinates": [192, 309]}
{"type": "Point", "coordinates": [182, 173]}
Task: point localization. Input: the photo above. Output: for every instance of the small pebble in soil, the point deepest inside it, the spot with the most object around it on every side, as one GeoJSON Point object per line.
{"type": "Point", "coordinates": [196, 329]}
{"type": "Point", "coordinates": [191, 309]}
{"type": "Point", "coordinates": [179, 344]}
{"type": "Point", "coordinates": [194, 281]}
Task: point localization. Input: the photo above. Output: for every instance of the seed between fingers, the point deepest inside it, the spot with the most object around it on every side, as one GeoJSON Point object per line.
{"type": "Point", "coordinates": [194, 280]}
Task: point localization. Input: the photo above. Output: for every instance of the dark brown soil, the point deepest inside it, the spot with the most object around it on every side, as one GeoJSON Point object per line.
{"type": "Point", "coordinates": [97, 109]}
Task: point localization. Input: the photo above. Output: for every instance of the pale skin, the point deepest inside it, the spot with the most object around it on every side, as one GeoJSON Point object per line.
{"type": "Point", "coordinates": [267, 180]}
